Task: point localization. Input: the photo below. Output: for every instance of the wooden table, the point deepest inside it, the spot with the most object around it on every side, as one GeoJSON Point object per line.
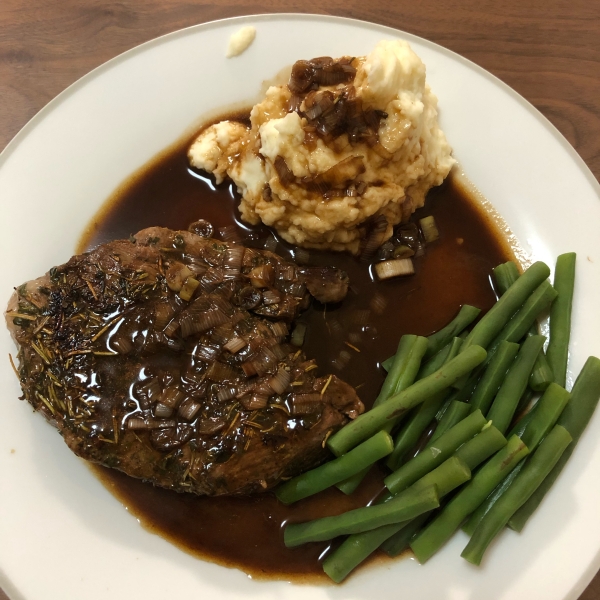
{"type": "Point", "coordinates": [548, 51]}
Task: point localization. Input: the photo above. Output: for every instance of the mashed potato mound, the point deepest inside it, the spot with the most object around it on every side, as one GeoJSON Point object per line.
{"type": "Point", "coordinates": [344, 142]}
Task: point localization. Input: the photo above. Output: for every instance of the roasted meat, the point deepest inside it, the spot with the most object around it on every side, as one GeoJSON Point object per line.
{"type": "Point", "coordinates": [167, 356]}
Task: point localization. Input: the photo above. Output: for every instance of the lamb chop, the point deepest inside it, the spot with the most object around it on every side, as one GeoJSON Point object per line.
{"type": "Point", "coordinates": [167, 356]}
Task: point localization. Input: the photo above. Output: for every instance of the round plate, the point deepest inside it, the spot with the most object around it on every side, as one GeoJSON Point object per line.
{"type": "Point", "coordinates": [63, 534]}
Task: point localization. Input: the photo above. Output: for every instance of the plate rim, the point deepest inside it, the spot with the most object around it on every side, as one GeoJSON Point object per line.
{"type": "Point", "coordinates": [72, 88]}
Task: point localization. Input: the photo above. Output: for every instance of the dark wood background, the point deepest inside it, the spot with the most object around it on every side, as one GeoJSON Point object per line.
{"type": "Point", "coordinates": [547, 50]}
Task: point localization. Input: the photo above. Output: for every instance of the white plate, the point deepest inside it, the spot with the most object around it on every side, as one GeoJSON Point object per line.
{"type": "Point", "coordinates": [62, 535]}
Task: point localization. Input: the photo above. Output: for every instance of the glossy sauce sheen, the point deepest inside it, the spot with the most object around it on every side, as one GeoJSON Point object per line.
{"type": "Point", "coordinates": [246, 532]}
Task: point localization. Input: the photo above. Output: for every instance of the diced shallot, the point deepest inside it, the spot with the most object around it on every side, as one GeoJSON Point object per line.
{"type": "Point", "coordinates": [254, 401]}
{"type": "Point", "coordinates": [298, 334]}
{"type": "Point", "coordinates": [230, 234]}
{"type": "Point", "coordinates": [188, 289]}
{"type": "Point", "coordinates": [211, 425]}
{"type": "Point", "coordinates": [162, 411]}
{"type": "Point", "coordinates": [235, 344]}
{"type": "Point", "coordinates": [280, 382]}
{"type": "Point", "coordinates": [279, 329]}
{"type": "Point", "coordinates": [227, 392]}
{"type": "Point", "coordinates": [306, 404]}
{"type": "Point", "coordinates": [234, 257]}
{"type": "Point", "coordinates": [429, 229]}
{"type": "Point", "coordinates": [394, 268]}
{"type": "Point", "coordinates": [140, 423]}
{"type": "Point", "coordinates": [171, 397]}
{"type": "Point", "coordinates": [199, 323]}
{"type": "Point", "coordinates": [376, 237]}
{"type": "Point", "coordinates": [188, 409]}
{"type": "Point", "coordinates": [262, 276]}
{"type": "Point", "coordinates": [271, 297]}
{"type": "Point", "coordinates": [176, 276]}
{"type": "Point", "coordinates": [220, 372]}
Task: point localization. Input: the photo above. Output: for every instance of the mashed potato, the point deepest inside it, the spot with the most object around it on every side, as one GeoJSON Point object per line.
{"type": "Point", "coordinates": [344, 142]}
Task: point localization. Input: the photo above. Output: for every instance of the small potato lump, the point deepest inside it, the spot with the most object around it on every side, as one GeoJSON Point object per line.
{"type": "Point", "coordinates": [345, 141]}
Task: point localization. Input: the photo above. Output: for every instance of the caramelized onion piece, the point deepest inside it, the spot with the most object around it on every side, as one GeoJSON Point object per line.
{"type": "Point", "coordinates": [188, 409]}
{"type": "Point", "coordinates": [191, 322]}
{"type": "Point", "coordinates": [211, 425]}
{"type": "Point", "coordinates": [140, 423]}
{"type": "Point", "coordinates": [271, 297]}
{"type": "Point", "coordinates": [220, 372]}
{"type": "Point", "coordinates": [281, 381]}
{"type": "Point", "coordinates": [230, 234]}
{"type": "Point", "coordinates": [346, 170]}
{"type": "Point", "coordinates": [376, 237]}
{"type": "Point", "coordinates": [394, 268]}
{"type": "Point", "coordinates": [162, 411]}
{"type": "Point", "coordinates": [262, 276]}
{"type": "Point", "coordinates": [235, 344]}
{"type": "Point", "coordinates": [171, 397]}
{"type": "Point", "coordinates": [285, 174]}
{"type": "Point", "coordinates": [306, 404]}
{"type": "Point", "coordinates": [298, 334]}
{"type": "Point", "coordinates": [176, 275]}
{"type": "Point", "coordinates": [279, 329]}
{"type": "Point", "coordinates": [301, 77]}
{"type": "Point", "coordinates": [254, 401]}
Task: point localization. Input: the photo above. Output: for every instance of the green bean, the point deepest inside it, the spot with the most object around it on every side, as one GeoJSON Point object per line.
{"type": "Point", "coordinates": [511, 390]}
{"type": "Point", "coordinates": [356, 548]}
{"type": "Point", "coordinates": [455, 413]}
{"type": "Point", "coordinates": [531, 476]}
{"type": "Point", "coordinates": [401, 375]}
{"type": "Point", "coordinates": [387, 363]}
{"type": "Point", "coordinates": [493, 376]}
{"type": "Point", "coordinates": [523, 405]}
{"type": "Point", "coordinates": [547, 413]}
{"type": "Point", "coordinates": [369, 423]}
{"type": "Point", "coordinates": [542, 375]}
{"type": "Point", "coordinates": [574, 418]}
{"type": "Point", "coordinates": [541, 298]}
{"type": "Point", "coordinates": [399, 509]}
{"type": "Point", "coordinates": [448, 352]}
{"type": "Point", "coordinates": [498, 316]}
{"type": "Point", "coordinates": [410, 433]}
{"type": "Point", "coordinates": [405, 367]}
{"type": "Point", "coordinates": [505, 275]}
{"type": "Point", "coordinates": [481, 447]}
{"type": "Point", "coordinates": [425, 461]}
{"type": "Point", "coordinates": [485, 506]}
{"type": "Point", "coordinates": [436, 341]}
{"type": "Point", "coordinates": [532, 428]}
{"type": "Point", "coordinates": [560, 316]}
{"type": "Point", "coordinates": [399, 542]}
{"type": "Point", "coordinates": [334, 471]}
{"type": "Point", "coordinates": [441, 529]}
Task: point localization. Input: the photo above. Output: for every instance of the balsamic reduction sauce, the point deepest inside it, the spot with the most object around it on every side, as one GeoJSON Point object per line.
{"type": "Point", "coordinates": [246, 532]}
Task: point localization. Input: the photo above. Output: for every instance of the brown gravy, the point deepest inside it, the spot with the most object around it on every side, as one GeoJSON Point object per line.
{"type": "Point", "coordinates": [246, 533]}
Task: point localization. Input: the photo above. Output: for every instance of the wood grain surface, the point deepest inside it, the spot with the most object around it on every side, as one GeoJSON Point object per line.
{"type": "Point", "coordinates": [548, 51]}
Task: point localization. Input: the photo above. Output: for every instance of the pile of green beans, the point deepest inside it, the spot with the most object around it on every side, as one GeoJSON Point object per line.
{"type": "Point", "coordinates": [468, 389]}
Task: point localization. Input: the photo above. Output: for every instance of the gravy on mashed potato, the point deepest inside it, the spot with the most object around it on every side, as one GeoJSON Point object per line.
{"type": "Point", "coordinates": [344, 142]}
